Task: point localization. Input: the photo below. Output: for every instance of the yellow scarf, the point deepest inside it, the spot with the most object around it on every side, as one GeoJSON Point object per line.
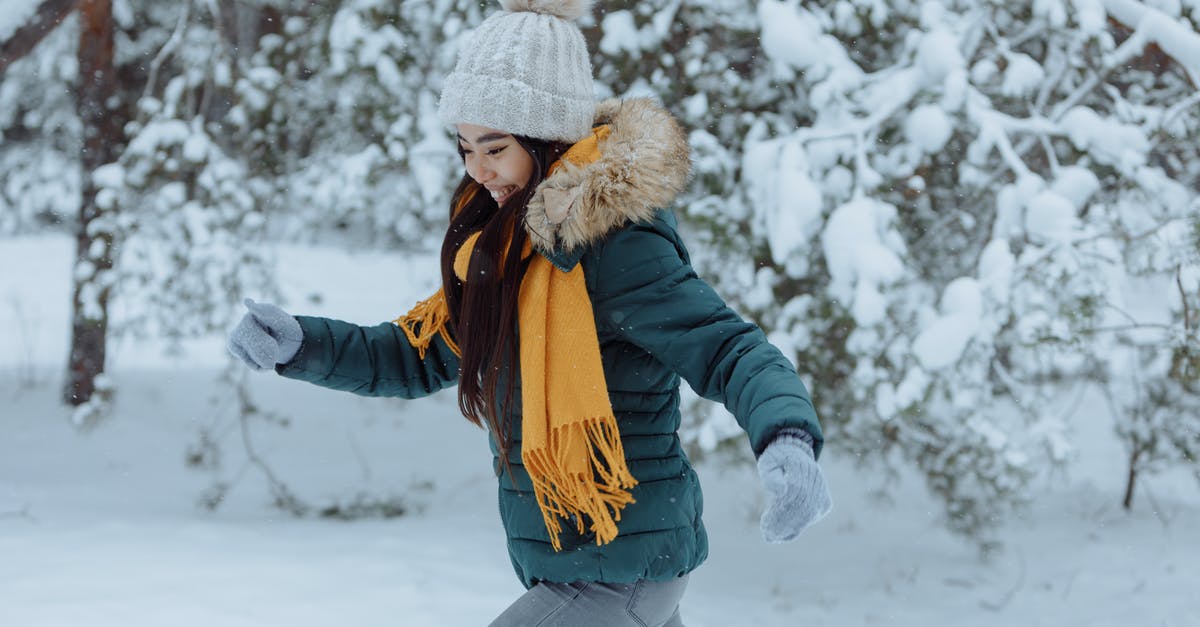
{"type": "Point", "coordinates": [570, 447]}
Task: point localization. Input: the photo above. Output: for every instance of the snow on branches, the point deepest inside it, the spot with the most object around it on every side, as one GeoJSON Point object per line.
{"type": "Point", "coordinates": [989, 190]}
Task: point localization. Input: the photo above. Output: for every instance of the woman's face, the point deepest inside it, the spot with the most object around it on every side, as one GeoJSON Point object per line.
{"type": "Point", "coordinates": [495, 160]}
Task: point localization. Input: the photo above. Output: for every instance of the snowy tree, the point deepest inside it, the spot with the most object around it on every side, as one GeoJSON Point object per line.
{"type": "Point", "coordinates": [322, 115]}
{"type": "Point", "coordinates": [192, 238]}
{"type": "Point", "coordinates": [345, 96]}
{"type": "Point", "coordinates": [99, 113]}
{"type": "Point", "coordinates": [319, 126]}
{"type": "Point", "coordinates": [941, 232]}
{"type": "Point", "coordinates": [39, 130]}
{"type": "Point", "coordinates": [72, 138]}
{"type": "Point", "coordinates": [1154, 385]}
{"type": "Point", "coordinates": [302, 124]}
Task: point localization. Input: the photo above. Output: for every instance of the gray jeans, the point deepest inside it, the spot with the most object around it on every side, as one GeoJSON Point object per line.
{"type": "Point", "coordinates": [594, 604]}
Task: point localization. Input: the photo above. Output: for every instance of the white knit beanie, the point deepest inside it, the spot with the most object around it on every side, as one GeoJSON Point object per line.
{"type": "Point", "coordinates": [525, 71]}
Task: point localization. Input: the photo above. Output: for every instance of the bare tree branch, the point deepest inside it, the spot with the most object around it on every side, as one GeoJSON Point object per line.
{"type": "Point", "coordinates": [45, 19]}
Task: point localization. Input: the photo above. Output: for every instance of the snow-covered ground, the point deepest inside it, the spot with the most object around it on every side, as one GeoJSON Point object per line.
{"type": "Point", "coordinates": [101, 527]}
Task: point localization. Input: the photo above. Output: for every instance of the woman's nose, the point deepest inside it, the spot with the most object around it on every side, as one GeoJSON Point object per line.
{"type": "Point", "coordinates": [480, 173]}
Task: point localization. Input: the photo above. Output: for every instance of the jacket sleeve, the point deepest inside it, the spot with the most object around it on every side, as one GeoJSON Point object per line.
{"type": "Point", "coordinates": [370, 361]}
{"type": "Point", "coordinates": [647, 292]}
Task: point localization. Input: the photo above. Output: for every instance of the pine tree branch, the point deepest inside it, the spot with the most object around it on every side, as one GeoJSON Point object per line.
{"type": "Point", "coordinates": [45, 19]}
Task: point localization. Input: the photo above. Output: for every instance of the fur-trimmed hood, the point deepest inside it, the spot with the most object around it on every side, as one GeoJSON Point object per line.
{"type": "Point", "coordinates": [644, 165]}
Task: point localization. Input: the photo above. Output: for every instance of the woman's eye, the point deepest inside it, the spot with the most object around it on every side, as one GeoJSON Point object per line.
{"type": "Point", "coordinates": [495, 151]}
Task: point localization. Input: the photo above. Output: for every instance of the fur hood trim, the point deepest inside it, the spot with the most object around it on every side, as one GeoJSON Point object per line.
{"type": "Point", "coordinates": [644, 165]}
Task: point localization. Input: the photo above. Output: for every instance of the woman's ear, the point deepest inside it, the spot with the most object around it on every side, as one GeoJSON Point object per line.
{"type": "Point", "coordinates": [559, 203]}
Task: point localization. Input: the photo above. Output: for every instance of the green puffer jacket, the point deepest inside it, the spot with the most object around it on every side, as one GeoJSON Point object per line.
{"type": "Point", "coordinates": [656, 322]}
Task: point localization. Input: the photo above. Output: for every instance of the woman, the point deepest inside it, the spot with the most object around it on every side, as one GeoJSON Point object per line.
{"type": "Point", "coordinates": [567, 315]}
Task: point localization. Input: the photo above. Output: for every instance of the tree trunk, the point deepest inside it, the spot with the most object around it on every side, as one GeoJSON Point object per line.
{"type": "Point", "coordinates": [1131, 479]}
{"type": "Point", "coordinates": [102, 128]}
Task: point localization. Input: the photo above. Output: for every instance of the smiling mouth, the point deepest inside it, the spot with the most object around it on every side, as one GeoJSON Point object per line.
{"type": "Point", "coordinates": [501, 195]}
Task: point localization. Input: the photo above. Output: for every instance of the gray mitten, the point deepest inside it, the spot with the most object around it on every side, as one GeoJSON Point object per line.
{"type": "Point", "coordinates": [797, 496]}
{"type": "Point", "coordinates": [266, 335]}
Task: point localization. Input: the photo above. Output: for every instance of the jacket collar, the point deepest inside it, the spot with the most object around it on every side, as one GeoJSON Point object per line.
{"type": "Point", "coordinates": [644, 165]}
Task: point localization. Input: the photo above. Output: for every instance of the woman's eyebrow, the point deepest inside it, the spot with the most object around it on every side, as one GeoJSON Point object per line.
{"type": "Point", "coordinates": [486, 137]}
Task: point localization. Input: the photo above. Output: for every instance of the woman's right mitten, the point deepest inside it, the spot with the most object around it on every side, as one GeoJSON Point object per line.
{"type": "Point", "coordinates": [265, 336]}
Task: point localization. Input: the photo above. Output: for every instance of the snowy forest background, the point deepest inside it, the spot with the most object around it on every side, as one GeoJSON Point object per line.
{"type": "Point", "coordinates": [963, 220]}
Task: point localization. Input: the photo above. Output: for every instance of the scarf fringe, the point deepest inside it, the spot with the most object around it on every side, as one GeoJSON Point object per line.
{"type": "Point", "coordinates": [424, 321]}
{"type": "Point", "coordinates": [599, 492]}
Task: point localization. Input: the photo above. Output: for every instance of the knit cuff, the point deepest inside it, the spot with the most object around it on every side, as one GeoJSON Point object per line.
{"type": "Point", "coordinates": [792, 434]}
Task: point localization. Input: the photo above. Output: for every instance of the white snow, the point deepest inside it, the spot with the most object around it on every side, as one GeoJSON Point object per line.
{"type": "Point", "coordinates": [860, 264]}
{"type": "Point", "coordinates": [196, 147]}
{"type": "Point", "coordinates": [938, 55]}
{"type": "Point", "coordinates": [1051, 217]}
{"type": "Point", "coordinates": [346, 30]}
{"type": "Point", "coordinates": [784, 194]}
{"type": "Point", "coordinates": [1011, 202]}
{"type": "Point", "coordinates": [1022, 75]}
{"type": "Point", "coordinates": [696, 106]}
{"type": "Point", "coordinates": [620, 33]}
{"type": "Point", "coordinates": [1115, 143]}
{"type": "Point", "coordinates": [943, 341]}
{"type": "Point", "coordinates": [928, 127]}
{"type": "Point", "coordinates": [983, 71]}
{"type": "Point", "coordinates": [791, 36]}
{"type": "Point", "coordinates": [109, 175]}
{"type": "Point", "coordinates": [1053, 11]}
{"type": "Point", "coordinates": [1166, 192]}
{"type": "Point", "coordinates": [14, 14]}
{"type": "Point", "coordinates": [1076, 184]}
{"type": "Point", "coordinates": [433, 153]}
{"type": "Point", "coordinates": [1178, 39]}
{"type": "Point", "coordinates": [798, 207]}
{"type": "Point", "coordinates": [1089, 14]}
{"type": "Point", "coordinates": [995, 269]}
{"type": "Point", "coordinates": [662, 21]}
{"type": "Point", "coordinates": [101, 528]}
{"type": "Point", "coordinates": [158, 134]}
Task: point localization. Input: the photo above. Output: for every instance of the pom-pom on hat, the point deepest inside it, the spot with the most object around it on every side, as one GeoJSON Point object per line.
{"type": "Point", "coordinates": [525, 70]}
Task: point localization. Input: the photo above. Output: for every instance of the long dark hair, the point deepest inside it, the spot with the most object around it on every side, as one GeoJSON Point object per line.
{"type": "Point", "coordinates": [483, 309]}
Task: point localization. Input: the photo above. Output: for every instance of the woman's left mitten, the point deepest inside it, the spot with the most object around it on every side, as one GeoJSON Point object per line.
{"type": "Point", "coordinates": [797, 495]}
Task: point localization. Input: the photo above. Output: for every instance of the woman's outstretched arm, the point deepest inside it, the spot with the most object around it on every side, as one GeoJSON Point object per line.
{"type": "Point", "coordinates": [370, 361]}
{"type": "Point", "coordinates": [649, 294]}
